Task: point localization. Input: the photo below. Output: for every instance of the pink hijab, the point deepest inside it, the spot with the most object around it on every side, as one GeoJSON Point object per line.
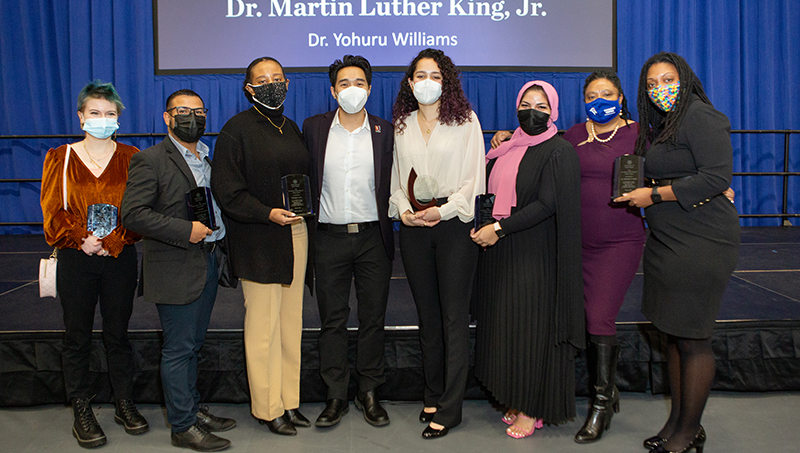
{"type": "Point", "coordinates": [503, 179]}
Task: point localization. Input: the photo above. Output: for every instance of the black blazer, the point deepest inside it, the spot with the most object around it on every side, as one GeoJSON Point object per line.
{"type": "Point", "coordinates": [315, 134]}
{"type": "Point", "coordinates": [154, 205]}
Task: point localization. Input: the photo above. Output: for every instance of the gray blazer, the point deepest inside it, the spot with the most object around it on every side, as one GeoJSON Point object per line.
{"type": "Point", "coordinates": [154, 205]}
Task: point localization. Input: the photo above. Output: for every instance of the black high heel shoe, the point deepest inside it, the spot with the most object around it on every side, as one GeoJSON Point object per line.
{"type": "Point", "coordinates": [696, 444]}
{"type": "Point", "coordinates": [651, 443]}
{"type": "Point", "coordinates": [280, 425]}
{"type": "Point", "coordinates": [433, 433]}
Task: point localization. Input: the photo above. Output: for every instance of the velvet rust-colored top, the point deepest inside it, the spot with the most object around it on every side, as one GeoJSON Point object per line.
{"type": "Point", "coordinates": [67, 229]}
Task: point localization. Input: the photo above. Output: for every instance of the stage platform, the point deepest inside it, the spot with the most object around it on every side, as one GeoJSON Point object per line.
{"type": "Point", "coordinates": [756, 341]}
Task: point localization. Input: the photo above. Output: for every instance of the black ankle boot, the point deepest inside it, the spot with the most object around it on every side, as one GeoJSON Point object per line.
{"type": "Point", "coordinates": [606, 396]}
{"type": "Point", "coordinates": [127, 415]}
{"type": "Point", "coordinates": [86, 429]}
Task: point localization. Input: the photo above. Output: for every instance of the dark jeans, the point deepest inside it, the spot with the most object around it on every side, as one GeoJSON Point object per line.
{"type": "Point", "coordinates": [440, 265]}
{"type": "Point", "coordinates": [338, 258]}
{"type": "Point", "coordinates": [184, 330]}
{"type": "Point", "coordinates": [82, 281]}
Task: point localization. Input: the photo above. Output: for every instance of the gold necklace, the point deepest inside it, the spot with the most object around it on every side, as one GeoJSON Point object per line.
{"type": "Point", "coordinates": [280, 128]}
{"type": "Point", "coordinates": [594, 135]}
{"type": "Point", "coordinates": [425, 122]}
{"type": "Point", "coordinates": [92, 159]}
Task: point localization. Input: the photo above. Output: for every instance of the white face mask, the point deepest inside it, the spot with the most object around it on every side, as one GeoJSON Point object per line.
{"type": "Point", "coordinates": [101, 128]}
{"type": "Point", "coordinates": [427, 91]}
{"type": "Point", "coordinates": [352, 99]}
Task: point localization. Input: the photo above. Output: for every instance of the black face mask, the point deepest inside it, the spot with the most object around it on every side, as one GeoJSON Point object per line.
{"type": "Point", "coordinates": [270, 95]}
{"type": "Point", "coordinates": [189, 128]}
{"type": "Point", "coordinates": [532, 121]}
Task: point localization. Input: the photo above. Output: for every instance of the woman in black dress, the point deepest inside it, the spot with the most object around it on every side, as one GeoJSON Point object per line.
{"type": "Point", "coordinates": [529, 283]}
{"type": "Point", "coordinates": [694, 233]}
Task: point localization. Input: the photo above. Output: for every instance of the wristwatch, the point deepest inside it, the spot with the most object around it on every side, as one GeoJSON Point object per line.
{"type": "Point", "coordinates": [498, 230]}
{"type": "Point", "coordinates": [655, 196]}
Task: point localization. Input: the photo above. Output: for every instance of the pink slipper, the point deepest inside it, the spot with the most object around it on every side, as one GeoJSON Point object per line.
{"type": "Point", "coordinates": [509, 419]}
{"type": "Point", "coordinates": [538, 424]}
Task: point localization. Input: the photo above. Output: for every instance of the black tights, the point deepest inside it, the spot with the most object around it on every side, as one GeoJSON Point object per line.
{"type": "Point", "coordinates": [691, 372]}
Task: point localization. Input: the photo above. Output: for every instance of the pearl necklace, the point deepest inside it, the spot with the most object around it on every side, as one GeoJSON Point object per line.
{"type": "Point", "coordinates": [594, 135]}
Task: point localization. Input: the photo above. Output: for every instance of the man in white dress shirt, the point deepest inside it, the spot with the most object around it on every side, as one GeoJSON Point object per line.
{"type": "Point", "coordinates": [351, 158]}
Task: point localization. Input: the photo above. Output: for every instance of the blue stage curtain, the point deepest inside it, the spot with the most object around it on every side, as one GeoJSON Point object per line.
{"type": "Point", "coordinates": [746, 53]}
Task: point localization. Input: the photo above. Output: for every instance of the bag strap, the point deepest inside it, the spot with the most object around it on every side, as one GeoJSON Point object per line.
{"type": "Point", "coordinates": [64, 176]}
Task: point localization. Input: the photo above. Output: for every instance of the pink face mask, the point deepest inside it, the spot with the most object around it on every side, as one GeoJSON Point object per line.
{"type": "Point", "coordinates": [664, 96]}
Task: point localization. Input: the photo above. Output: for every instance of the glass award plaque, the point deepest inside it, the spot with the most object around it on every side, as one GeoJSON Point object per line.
{"type": "Point", "coordinates": [297, 194]}
{"type": "Point", "coordinates": [484, 204]}
{"type": "Point", "coordinates": [101, 219]}
{"type": "Point", "coordinates": [201, 207]}
{"type": "Point", "coordinates": [422, 191]}
{"type": "Point", "coordinates": [628, 174]}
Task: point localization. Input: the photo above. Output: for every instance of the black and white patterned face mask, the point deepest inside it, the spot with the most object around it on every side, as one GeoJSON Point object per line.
{"type": "Point", "coordinates": [270, 95]}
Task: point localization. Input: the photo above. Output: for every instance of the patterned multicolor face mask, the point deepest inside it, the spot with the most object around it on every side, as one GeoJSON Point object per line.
{"type": "Point", "coordinates": [664, 96]}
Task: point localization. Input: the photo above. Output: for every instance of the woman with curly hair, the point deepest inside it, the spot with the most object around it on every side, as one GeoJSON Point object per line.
{"type": "Point", "coordinates": [438, 141]}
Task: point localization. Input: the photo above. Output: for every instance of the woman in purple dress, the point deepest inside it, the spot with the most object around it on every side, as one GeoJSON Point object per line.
{"type": "Point", "coordinates": [612, 238]}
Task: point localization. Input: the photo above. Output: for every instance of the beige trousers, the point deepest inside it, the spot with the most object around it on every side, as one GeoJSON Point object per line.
{"type": "Point", "coordinates": [273, 324]}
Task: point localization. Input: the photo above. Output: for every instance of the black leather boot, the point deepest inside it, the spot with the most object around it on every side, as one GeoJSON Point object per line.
{"type": "Point", "coordinates": [127, 415]}
{"type": "Point", "coordinates": [86, 429]}
{"type": "Point", "coordinates": [606, 397]}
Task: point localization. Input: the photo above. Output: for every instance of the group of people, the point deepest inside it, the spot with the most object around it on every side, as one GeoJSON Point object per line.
{"type": "Point", "coordinates": [551, 265]}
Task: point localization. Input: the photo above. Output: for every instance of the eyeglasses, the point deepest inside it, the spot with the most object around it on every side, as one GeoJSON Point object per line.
{"type": "Point", "coordinates": [200, 111]}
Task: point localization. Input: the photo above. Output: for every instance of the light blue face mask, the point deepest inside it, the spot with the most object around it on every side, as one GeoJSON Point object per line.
{"type": "Point", "coordinates": [100, 128]}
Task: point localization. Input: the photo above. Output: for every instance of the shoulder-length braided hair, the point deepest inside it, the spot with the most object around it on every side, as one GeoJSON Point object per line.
{"type": "Point", "coordinates": [651, 118]}
{"type": "Point", "coordinates": [454, 108]}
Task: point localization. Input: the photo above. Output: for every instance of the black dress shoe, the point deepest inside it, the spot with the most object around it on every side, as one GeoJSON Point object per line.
{"type": "Point", "coordinates": [212, 423]}
{"type": "Point", "coordinates": [126, 414]}
{"type": "Point", "coordinates": [374, 414]}
{"type": "Point", "coordinates": [651, 443]}
{"type": "Point", "coordinates": [426, 417]}
{"type": "Point", "coordinates": [297, 418]}
{"type": "Point", "coordinates": [280, 425]}
{"type": "Point", "coordinates": [85, 428]}
{"type": "Point", "coordinates": [333, 413]}
{"type": "Point", "coordinates": [198, 439]}
{"type": "Point", "coordinates": [431, 433]}
{"type": "Point", "coordinates": [697, 444]}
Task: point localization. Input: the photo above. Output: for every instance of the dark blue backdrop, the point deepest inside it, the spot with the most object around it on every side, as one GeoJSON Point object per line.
{"type": "Point", "coordinates": [746, 53]}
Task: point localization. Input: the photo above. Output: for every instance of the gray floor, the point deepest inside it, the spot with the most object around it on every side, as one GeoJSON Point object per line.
{"type": "Point", "coordinates": [735, 422]}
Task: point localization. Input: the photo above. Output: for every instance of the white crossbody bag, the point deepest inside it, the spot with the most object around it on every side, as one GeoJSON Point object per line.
{"type": "Point", "coordinates": [47, 267]}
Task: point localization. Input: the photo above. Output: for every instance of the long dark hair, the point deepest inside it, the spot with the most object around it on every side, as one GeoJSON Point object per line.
{"type": "Point", "coordinates": [614, 79]}
{"type": "Point", "coordinates": [651, 118]}
{"type": "Point", "coordinates": [454, 108]}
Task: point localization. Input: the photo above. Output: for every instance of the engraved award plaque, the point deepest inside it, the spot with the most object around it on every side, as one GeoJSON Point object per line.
{"type": "Point", "coordinates": [297, 194]}
{"type": "Point", "coordinates": [101, 219]}
{"type": "Point", "coordinates": [422, 191]}
{"type": "Point", "coordinates": [201, 207]}
{"type": "Point", "coordinates": [484, 204]}
{"type": "Point", "coordinates": [628, 174]}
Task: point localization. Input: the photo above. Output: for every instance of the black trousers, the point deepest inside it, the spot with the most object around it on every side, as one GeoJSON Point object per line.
{"type": "Point", "coordinates": [440, 265]}
{"type": "Point", "coordinates": [338, 259]}
{"type": "Point", "coordinates": [83, 281]}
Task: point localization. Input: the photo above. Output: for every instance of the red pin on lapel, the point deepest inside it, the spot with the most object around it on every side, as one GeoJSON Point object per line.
{"type": "Point", "coordinates": [377, 129]}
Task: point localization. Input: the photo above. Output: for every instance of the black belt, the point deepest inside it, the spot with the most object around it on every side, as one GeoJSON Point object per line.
{"type": "Point", "coordinates": [439, 201]}
{"type": "Point", "coordinates": [208, 247]}
{"type": "Point", "coordinates": [650, 182]}
{"type": "Point", "coordinates": [352, 228]}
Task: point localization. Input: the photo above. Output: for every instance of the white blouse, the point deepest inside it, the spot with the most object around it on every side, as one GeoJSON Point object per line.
{"type": "Point", "coordinates": [454, 156]}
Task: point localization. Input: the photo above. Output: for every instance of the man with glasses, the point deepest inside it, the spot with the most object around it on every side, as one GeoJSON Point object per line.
{"type": "Point", "coordinates": [180, 262]}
